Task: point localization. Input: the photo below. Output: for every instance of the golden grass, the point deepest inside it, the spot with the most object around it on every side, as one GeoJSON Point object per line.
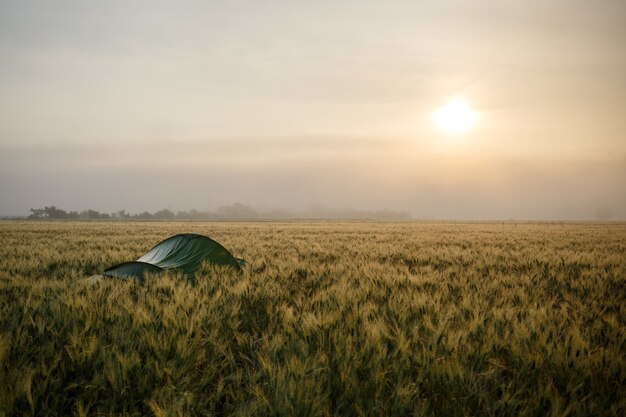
{"type": "Point", "coordinates": [327, 319]}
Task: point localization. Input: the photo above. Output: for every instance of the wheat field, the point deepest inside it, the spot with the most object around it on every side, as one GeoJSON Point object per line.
{"type": "Point", "coordinates": [327, 319]}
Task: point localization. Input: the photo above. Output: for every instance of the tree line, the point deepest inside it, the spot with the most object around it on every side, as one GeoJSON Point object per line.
{"type": "Point", "coordinates": [235, 211]}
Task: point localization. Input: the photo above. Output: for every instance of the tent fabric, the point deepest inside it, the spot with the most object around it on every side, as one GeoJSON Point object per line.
{"type": "Point", "coordinates": [131, 270]}
{"type": "Point", "coordinates": [181, 253]}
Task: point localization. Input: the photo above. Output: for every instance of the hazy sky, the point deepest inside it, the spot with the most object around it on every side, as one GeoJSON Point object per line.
{"type": "Point", "coordinates": [143, 104]}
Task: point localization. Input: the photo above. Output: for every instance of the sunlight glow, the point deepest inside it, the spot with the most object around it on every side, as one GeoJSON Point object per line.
{"type": "Point", "coordinates": [456, 116]}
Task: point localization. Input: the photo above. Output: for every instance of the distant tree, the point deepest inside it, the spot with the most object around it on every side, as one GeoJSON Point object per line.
{"type": "Point", "coordinates": [93, 215]}
{"type": "Point", "coordinates": [36, 214]}
{"type": "Point", "coordinates": [237, 211]}
{"type": "Point", "coordinates": [164, 214]}
{"type": "Point", "coordinates": [53, 212]}
{"type": "Point", "coordinates": [240, 211]}
{"type": "Point", "coordinates": [48, 213]}
{"type": "Point", "coordinates": [183, 215]}
{"type": "Point", "coordinates": [146, 215]}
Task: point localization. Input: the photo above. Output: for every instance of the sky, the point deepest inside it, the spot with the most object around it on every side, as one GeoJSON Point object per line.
{"type": "Point", "coordinates": [143, 105]}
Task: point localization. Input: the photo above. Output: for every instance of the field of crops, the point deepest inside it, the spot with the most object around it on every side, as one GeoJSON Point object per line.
{"type": "Point", "coordinates": [345, 319]}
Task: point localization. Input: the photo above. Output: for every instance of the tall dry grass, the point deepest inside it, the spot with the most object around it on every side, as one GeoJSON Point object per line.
{"type": "Point", "coordinates": [327, 319]}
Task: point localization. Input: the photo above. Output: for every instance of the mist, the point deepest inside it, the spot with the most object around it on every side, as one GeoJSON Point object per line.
{"type": "Point", "coordinates": [146, 105]}
{"type": "Point", "coordinates": [380, 176]}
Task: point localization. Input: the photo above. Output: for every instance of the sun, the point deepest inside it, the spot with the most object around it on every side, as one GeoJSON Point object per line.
{"type": "Point", "coordinates": [456, 116]}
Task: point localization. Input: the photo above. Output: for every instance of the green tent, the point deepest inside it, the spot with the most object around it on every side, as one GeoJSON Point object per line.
{"type": "Point", "coordinates": [181, 253]}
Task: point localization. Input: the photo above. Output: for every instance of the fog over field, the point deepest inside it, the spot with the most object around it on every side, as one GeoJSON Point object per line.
{"type": "Point", "coordinates": [149, 105]}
